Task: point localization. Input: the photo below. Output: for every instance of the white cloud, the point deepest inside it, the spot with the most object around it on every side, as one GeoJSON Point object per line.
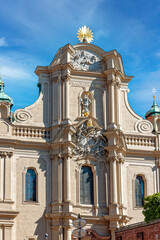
{"type": "Point", "coordinates": [14, 72]}
{"type": "Point", "coordinates": [157, 54]}
{"type": "Point", "coordinates": [3, 42]}
{"type": "Point", "coordinates": [17, 67]}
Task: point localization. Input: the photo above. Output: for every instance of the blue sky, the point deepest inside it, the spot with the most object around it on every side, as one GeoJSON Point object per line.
{"type": "Point", "coordinates": [31, 32]}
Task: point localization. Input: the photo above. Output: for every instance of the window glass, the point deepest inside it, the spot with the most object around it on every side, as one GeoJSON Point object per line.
{"type": "Point", "coordinates": [86, 185]}
{"type": "Point", "coordinates": [30, 185]}
{"type": "Point", "coordinates": [139, 191]}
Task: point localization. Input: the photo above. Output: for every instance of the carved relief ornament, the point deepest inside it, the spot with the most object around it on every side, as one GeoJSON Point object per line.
{"type": "Point", "coordinates": [86, 60]}
{"type": "Point", "coordinates": [88, 139]}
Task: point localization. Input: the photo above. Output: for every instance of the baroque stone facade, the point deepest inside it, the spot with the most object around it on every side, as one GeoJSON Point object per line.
{"type": "Point", "coordinates": [80, 148]}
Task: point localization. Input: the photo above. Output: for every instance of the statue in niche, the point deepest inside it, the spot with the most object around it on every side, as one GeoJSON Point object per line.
{"type": "Point", "coordinates": [86, 103]}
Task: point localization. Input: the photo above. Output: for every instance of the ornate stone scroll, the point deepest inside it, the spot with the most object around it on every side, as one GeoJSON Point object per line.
{"type": "Point", "coordinates": [86, 60]}
{"type": "Point", "coordinates": [144, 126]}
{"type": "Point", "coordinates": [22, 116]}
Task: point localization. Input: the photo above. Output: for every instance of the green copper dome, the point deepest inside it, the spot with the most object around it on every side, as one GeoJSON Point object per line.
{"type": "Point", "coordinates": [155, 110]}
{"type": "Point", "coordinates": [4, 97]}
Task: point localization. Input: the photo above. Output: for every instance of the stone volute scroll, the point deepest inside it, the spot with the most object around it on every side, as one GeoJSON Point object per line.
{"type": "Point", "coordinates": [144, 126]}
{"type": "Point", "coordinates": [22, 116]}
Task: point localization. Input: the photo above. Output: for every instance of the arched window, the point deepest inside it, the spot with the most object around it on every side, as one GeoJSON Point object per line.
{"type": "Point", "coordinates": [86, 185]}
{"type": "Point", "coordinates": [139, 191]}
{"type": "Point", "coordinates": [30, 185]}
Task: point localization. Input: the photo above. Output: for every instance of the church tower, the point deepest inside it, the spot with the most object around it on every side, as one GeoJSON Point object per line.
{"type": "Point", "coordinates": [79, 149]}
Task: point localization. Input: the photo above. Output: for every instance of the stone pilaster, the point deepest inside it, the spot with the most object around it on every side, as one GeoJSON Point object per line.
{"type": "Point", "coordinates": [57, 183]}
{"type": "Point", "coordinates": [120, 184]}
{"type": "Point", "coordinates": [7, 233]}
{"type": "Point", "coordinates": [1, 233]}
{"type": "Point", "coordinates": [67, 179]}
{"type": "Point", "coordinates": [54, 180]}
{"type": "Point", "coordinates": [67, 205]}
{"type": "Point", "coordinates": [66, 80]}
{"type": "Point", "coordinates": [118, 102]}
{"type": "Point", "coordinates": [60, 180]}
{"type": "Point", "coordinates": [59, 105]}
{"type": "Point", "coordinates": [2, 177]}
{"type": "Point", "coordinates": [8, 178]}
{"type": "Point", "coordinates": [67, 233]}
{"type": "Point", "coordinates": [113, 180]}
{"type": "Point", "coordinates": [111, 92]}
{"type": "Point", "coordinates": [57, 232]}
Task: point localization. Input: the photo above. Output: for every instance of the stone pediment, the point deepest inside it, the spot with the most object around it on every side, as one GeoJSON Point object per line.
{"type": "Point", "coordinates": [57, 59]}
{"type": "Point", "coordinates": [85, 57]}
{"type": "Point", "coordinates": [62, 134]}
{"type": "Point", "coordinates": [81, 120]}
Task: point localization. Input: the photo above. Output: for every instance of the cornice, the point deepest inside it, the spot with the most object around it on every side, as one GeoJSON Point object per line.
{"type": "Point", "coordinates": [8, 214]}
{"type": "Point", "coordinates": [88, 73]}
{"type": "Point", "coordinates": [41, 69]}
{"type": "Point", "coordinates": [118, 73]}
{"type": "Point", "coordinates": [26, 144]}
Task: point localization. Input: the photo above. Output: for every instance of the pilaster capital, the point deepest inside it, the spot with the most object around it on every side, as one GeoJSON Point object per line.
{"type": "Point", "coordinates": [56, 78]}
{"type": "Point", "coordinates": [158, 163]}
{"type": "Point", "coordinates": [112, 82]}
{"type": "Point", "coordinates": [66, 78]}
{"type": "Point", "coordinates": [121, 160]}
{"type": "Point", "coordinates": [120, 157]}
{"type": "Point", "coordinates": [118, 82]}
{"type": "Point", "coordinates": [112, 158]}
{"type": "Point", "coordinates": [57, 227]}
{"type": "Point", "coordinates": [6, 154]}
{"type": "Point", "coordinates": [59, 155]}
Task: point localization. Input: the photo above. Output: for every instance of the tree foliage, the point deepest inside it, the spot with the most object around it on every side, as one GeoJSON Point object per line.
{"type": "Point", "coordinates": [151, 209]}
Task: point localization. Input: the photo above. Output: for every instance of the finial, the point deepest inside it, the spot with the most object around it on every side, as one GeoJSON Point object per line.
{"type": "Point", "coordinates": [1, 83]}
{"type": "Point", "coordinates": [85, 34]}
{"type": "Point", "coordinates": [154, 93]}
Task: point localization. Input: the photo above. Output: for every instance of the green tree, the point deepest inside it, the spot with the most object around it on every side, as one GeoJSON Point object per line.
{"type": "Point", "coordinates": [151, 209]}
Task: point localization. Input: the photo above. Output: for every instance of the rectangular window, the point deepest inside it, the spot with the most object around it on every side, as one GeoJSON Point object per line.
{"type": "Point", "coordinates": [30, 185]}
{"type": "Point", "coordinates": [140, 236]}
{"type": "Point", "coordinates": [119, 238]}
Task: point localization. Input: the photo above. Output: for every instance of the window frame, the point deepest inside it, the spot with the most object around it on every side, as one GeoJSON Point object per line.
{"type": "Point", "coordinates": [92, 200]}
{"type": "Point", "coordinates": [87, 162]}
{"type": "Point", "coordinates": [134, 194]}
{"type": "Point", "coordinates": [24, 186]}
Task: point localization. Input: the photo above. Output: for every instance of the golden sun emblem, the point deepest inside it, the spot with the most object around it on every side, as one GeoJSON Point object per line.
{"type": "Point", "coordinates": [85, 34]}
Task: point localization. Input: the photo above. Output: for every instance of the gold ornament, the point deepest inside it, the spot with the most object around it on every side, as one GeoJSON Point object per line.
{"type": "Point", "coordinates": [85, 35]}
{"type": "Point", "coordinates": [89, 123]}
{"type": "Point", "coordinates": [86, 114]}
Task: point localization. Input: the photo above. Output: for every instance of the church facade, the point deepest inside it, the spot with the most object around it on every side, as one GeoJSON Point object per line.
{"type": "Point", "coordinates": [79, 149]}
